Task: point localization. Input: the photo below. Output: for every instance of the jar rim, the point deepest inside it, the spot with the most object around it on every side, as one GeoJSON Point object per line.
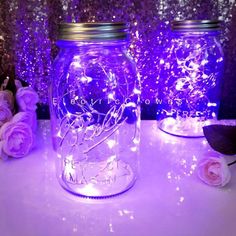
{"type": "Point", "coordinates": [88, 31]}
{"type": "Point", "coordinates": [196, 25]}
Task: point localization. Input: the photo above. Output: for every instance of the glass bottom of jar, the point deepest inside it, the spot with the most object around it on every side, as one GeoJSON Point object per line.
{"type": "Point", "coordinates": [185, 127]}
{"type": "Point", "coordinates": [98, 180]}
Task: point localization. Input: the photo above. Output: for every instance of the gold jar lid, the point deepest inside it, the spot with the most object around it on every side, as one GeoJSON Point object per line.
{"type": "Point", "coordinates": [93, 31]}
{"type": "Point", "coordinates": [195, 25]}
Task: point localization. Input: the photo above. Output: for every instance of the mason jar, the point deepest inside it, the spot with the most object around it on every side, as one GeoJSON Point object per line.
{"type": "Point", "coordinates": [95, 110]}
{"type": "Point", "coordinates": [190, 74]}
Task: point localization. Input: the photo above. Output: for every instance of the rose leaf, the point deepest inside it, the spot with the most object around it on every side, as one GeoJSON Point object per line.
{"type": "Point", "coordinates": [222, 138]}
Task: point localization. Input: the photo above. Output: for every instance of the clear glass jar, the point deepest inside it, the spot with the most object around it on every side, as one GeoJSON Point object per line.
{"type": "Point", "coordinates": [190, 73]}
{"type": "Point", "coordinates": [95, 110]}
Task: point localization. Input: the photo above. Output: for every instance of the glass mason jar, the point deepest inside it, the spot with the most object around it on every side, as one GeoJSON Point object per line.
{"type": "Point", "coordinates": [190, 73]}
{"type": "Point", "coordinates": [95, 110]}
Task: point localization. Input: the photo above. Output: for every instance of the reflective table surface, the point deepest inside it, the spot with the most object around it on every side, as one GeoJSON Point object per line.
{"type": "Point", "coordinates": [168, 198]}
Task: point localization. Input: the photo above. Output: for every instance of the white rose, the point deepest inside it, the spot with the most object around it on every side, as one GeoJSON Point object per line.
{"type": "Point", "coordinates": [5, 114]}
{"type": "Point", "coordinates": [18, 84]}
{"type": "Point", "coordinates": [3, 155]}
{"type": "Point", "coordinates": [7, 97]}
{"type": "Point", "coordinates": [214, 171]}
{"type": "Point", "coordinates": [28, 117]}
{"type": "Point", "coordinates": [16, 139]}
{"type": "Point", "coordinates": [27, 99]}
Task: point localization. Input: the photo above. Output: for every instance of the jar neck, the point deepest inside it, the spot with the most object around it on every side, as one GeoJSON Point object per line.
{"type": "Point", "coordinates": [104, 43]}
{"type": "Point", "coordinates": [196, 33]}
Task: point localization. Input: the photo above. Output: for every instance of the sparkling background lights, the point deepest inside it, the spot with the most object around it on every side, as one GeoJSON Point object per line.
{"type": "Point", "coordinates": [30, 31]}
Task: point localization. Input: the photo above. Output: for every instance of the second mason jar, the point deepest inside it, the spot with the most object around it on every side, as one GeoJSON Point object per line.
{"type": "Point", "coordinates": [95, 110]}
{"type": "Point", "coordinates": [190, 74]}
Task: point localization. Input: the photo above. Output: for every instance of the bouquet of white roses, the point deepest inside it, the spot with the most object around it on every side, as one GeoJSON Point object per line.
{"type": "Point", "coordinates": [18, 120]}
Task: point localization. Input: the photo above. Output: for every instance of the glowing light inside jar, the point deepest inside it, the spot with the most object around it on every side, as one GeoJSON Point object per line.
{"type": "Point", "coordinates": [189, 88]}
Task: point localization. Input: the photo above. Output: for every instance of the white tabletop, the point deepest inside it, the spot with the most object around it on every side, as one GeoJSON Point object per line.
{"type": "Point", "coordinates": [168, 199]}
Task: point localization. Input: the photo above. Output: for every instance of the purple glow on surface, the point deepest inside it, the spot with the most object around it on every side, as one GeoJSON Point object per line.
{"type": "Point", "coordinates": [190, 73]}
{"type": "Point", "coordinates": [167, 182]}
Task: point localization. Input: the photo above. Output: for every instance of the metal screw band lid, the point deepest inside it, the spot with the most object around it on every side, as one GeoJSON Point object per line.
{"type": "Point", "coordinates": [195, 25]}
{"type": "Point", "coordinates": [93, 31]}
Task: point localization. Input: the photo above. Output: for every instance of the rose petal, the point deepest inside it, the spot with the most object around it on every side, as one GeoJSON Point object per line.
{"type": "Point", "coordinates": [214, 171]}
{"type": "Point", "coordinates": [27, 99]}
{"type": "Point", "coordinates": [5, 114]}
{"type": "Point", "coordinates": [6, 97]}
{"type": "Point", "coordinates": [18, 139]}
{"type": "Point", "coordinates": [3, 155]}
{"type": "Point", "coordinates": [28, 117]}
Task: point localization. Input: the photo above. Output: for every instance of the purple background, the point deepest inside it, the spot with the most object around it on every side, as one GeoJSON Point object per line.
{"type": "Point", "coordinates": [30, 31]}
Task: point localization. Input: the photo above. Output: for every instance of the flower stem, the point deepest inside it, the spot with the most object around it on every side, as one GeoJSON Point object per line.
{"type": "Point", "coordinates": [231, 163]}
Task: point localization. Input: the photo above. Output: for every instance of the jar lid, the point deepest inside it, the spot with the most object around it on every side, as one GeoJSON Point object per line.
{"type": "Point", "coordinates": [93, 31]}
{"type": "Point", "coordinates": [195, 25]}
